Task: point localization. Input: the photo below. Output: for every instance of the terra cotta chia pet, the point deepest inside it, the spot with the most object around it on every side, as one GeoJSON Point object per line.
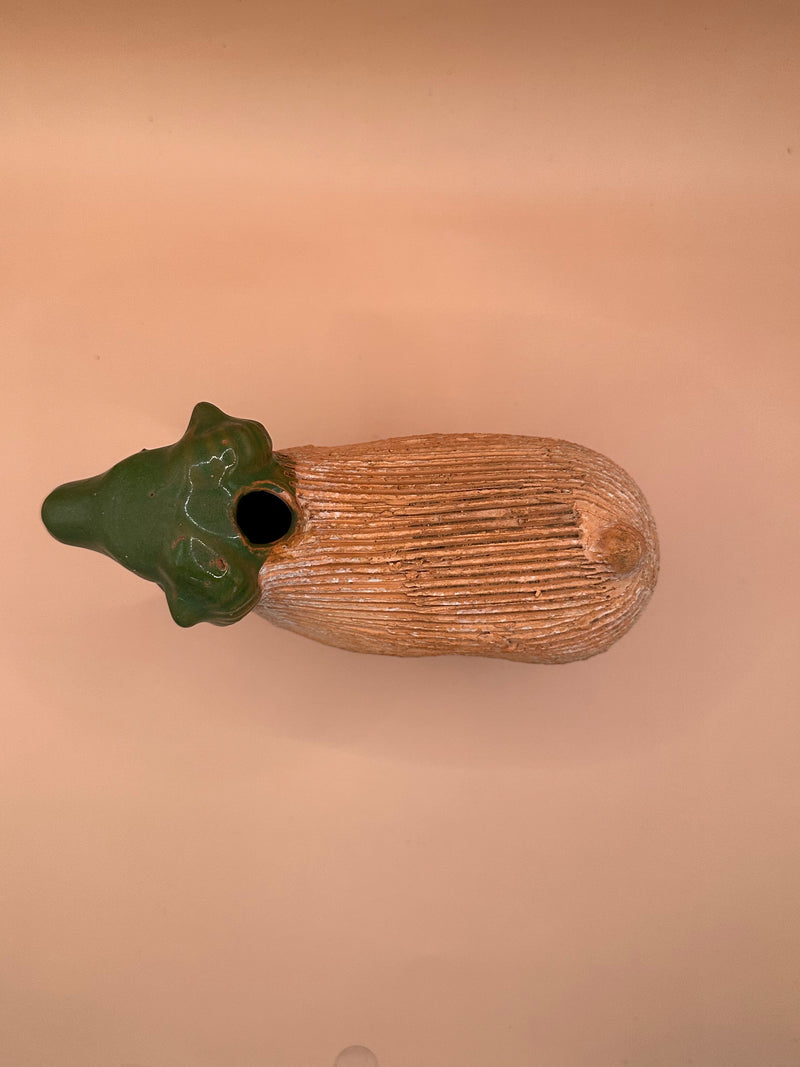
{"type": "Point", "coordinates": [523, 548]}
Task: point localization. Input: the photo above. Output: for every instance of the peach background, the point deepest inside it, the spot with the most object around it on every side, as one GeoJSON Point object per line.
{"type": "Point", "coordinates": [232, 848]}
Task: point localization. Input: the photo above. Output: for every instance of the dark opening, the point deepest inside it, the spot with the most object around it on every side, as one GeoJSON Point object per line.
{"type": "Point", "coordinates": [263, 517]}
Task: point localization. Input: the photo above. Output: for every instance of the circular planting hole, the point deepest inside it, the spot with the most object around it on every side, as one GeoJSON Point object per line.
{"type": "Point", "coordinates": [263, 517]}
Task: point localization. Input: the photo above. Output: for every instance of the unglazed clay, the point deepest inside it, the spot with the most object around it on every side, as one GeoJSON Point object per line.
{"type": "Point", "coordinates": [523, 548]}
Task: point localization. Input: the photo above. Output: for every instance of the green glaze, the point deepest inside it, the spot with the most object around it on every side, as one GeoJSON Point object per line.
{"type": "Point", "coordinates": [169, 515]}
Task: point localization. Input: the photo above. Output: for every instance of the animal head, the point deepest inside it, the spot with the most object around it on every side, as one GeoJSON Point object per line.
{"type": "Point", "coordinates": [197, 517]}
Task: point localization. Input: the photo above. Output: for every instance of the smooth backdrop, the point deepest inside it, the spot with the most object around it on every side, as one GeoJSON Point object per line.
{"type": "Point", "coordinates": [349, 220]}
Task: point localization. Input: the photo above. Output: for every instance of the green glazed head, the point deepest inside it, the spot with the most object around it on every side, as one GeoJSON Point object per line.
{"type": "Point", "coordinates": [198, 517]}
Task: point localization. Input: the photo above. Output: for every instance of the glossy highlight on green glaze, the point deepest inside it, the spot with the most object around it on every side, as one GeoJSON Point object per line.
{"type": "Point", "coordinates": [169, 515]}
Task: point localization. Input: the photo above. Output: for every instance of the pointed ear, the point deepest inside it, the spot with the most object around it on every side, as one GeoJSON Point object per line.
{"type": "Point", "coordinates": [184, 613]}
{"type": "Point", "coordinates": [206, 417]}
{"type": "Point", "coordinates": [188, 609]}
{"type": "Point", "coordinates": [209, 424]}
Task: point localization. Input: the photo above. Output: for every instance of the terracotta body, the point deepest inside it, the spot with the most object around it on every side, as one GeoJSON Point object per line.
{"type": "Point", "coordinates": [523, 548]}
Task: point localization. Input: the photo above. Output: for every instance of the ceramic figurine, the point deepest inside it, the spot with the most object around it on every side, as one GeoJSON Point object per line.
{"type": "Point", "coordinates": [523, 548]}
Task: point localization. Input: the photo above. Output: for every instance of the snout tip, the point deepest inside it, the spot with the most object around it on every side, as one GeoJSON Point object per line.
{"type": "Point", "coordinates": [68, 513]}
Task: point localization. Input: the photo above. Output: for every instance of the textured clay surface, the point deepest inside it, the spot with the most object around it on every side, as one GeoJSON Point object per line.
{"type": "Point", "coordinates": [522, 548]}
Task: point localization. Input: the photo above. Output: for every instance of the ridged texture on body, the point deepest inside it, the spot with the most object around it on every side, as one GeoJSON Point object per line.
{"type": "Point", "coordinates": [519, 547]}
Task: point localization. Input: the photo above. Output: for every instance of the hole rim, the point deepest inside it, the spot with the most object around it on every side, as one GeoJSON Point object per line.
{"type": "Point", "coordinates": [283, 494]}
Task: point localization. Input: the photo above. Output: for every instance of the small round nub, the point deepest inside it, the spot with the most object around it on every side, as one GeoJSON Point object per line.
{"type": "Point", "coordinates": [622, 548]}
